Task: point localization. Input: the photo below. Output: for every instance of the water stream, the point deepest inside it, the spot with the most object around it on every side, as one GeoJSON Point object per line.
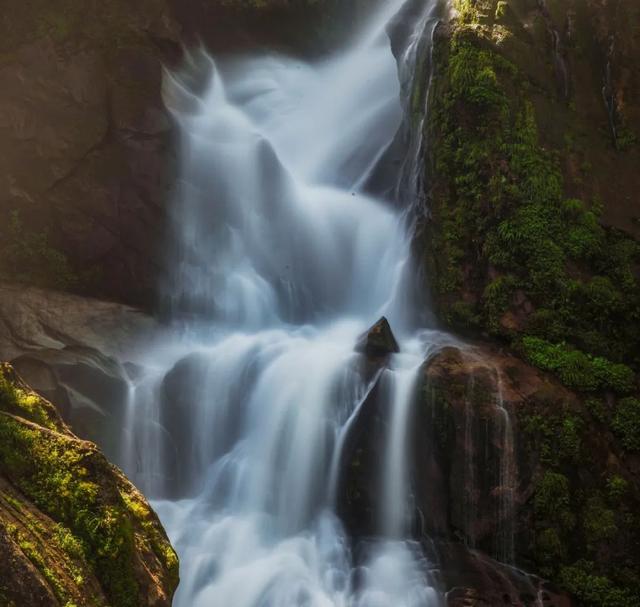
{"type": "Point", "coordinates": [283, 259]}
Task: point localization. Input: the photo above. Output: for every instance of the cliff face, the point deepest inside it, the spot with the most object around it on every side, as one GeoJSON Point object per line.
{"type": "Point", "coordinates": [532, 473]}
{"type": "Point", "coordinates": [73, 530]}
{"type": "Point", "coordinates": [531, 243]}
{"type": "Point", "coordinates": [84, 162]}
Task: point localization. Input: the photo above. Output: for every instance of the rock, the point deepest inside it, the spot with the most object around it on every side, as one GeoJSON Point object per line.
{"type": "Point", "coordinates": [34, 319]}
{"type": "Point", "coordinates": [89, 389]}
{"type": "Point", "coordinates": [474, 484]}
{"type": "Point", "coordinates": [78, 352]}
{"type": "Point", "coordinates": [180, 397]}
{"type": "Point", "coordinates": [474, 580]}
{"type": "Point", "coordinates": [302, 27]}
{"type": "Point", "coordinates": [378, 341]}
{"type": "Point", "coordinates": [73, 530]}
{"type": "Point", "coordinates": [84, 142]}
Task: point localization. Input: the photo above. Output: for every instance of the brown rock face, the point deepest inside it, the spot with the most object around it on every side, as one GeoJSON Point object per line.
{"type": "Point", "coordinates": [84, 142]}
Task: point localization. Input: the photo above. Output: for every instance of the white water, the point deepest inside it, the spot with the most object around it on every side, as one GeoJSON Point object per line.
{"type": "Point", "coordinates": [283, 260]}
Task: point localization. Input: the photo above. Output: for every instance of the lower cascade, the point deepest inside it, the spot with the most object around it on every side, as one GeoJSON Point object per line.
{"type": "Point", "coordinates": [285, 255]}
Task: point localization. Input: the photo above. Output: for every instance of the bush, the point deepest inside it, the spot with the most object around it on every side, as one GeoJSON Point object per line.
{"type": "Point", "coordinates": [577, 369]}
{"type": "Point", "coordinates": [595, 590]}
{"type": "Point", "coordinates": [626, 423]}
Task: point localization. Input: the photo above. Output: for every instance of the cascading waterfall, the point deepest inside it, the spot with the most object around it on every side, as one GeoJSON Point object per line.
{"type": "Point", "coordinates": [507, 481]}
{"type": "Point", "coordinates": [283, 259]}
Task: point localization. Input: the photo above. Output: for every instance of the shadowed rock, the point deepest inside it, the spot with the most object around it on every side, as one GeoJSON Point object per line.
{"type": "Point", "coordinates": [378, 341]}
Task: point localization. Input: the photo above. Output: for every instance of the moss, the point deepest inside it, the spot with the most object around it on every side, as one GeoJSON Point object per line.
{"type": "Point", "coordinates": [31, 551]}
{"type": "Point", "coordinates": [158, 543]}
{"type": "Point", "coordinates": [577, 369]}
{"type": "Point", "coordinates": [595, 590]}
{"type": "Point", "coordinates": [19, 401]}
{"type": "Point", "coordinates": [53, 471]}
{"type": "Point", "coordinates": [502, 223]}
{"type": "Point", "coordinates": [29, 256]}
{"type": "Point", "coordinates": [626, 423]}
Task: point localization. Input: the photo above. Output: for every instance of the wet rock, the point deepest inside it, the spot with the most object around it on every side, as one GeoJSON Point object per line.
{"type": "Point", "coordinates": [471, 579]}
{"type": "Point", "coordinates": [180, 397]}
{"type": "Point", "coordinates": [378, 341]}
{"type": "Point", "coordinates": [89, 389]}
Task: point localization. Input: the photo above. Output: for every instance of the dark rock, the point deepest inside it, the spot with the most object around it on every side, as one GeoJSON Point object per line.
{"type": "Point", "coordinates": [378, 341]}
{"type": "Point", "coordinates": [180, 396]}
{"type": "Point", "coordinates": [472, 579]}
{"type": "Point", "coordinates": [85, 140]}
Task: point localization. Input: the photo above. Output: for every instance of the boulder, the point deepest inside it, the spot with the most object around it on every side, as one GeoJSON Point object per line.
{"type": "Point", "coordinates": [73, 529]}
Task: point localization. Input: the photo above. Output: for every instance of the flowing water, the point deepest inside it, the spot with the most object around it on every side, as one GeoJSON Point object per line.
{"type": "Point", "coordinates": [283, 259]}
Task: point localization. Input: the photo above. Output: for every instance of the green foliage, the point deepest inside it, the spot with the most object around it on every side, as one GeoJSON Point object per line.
{"type": "Point", "coordinates": [501, 224]}
{"type": "Point", "coordinates": [549, 547]}
{"type": "Point", "coordinates": [598, 409]}
{"type": "Point", "coordinates": [617, 488]}
{"type": "Point", "coordinates": [557, 437]}
{"type": "Point", "coordinates": [626, 423]}
{"type": "Point", "coordinates": [595, 590]}
{"type": "Point", "coordinates": [497, 297]}
{"type": "Point", "coordinates": [53, 471]}
{"type": "Point", "coordinates": [598, 521]}
{"type": "Point", "coordinates": [552, 499]}
{"type": "Point", "coordinates": [511, 255]}
{"type": "Point", "coordinates": [577, 369]}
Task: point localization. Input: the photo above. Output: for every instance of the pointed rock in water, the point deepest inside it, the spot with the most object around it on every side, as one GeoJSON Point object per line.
{"type": "Point", "coordinates": [378, 340]}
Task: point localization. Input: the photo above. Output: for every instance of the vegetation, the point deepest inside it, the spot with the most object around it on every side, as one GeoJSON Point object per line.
{"type": "Point", "coordinates": [29, 256]}
{"type": "Point", "coordinates": [513, 257]}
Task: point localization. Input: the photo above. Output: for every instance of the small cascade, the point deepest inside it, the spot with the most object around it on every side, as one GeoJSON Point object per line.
{"type": "Point", "coordinates": [609, 93]}
{"type": "Point", "coordinates": [470, 461]}
{"type": "Point", "coordinates": [416, 61]}
{"type": "Point", "coordinates": [507, 481]}
{"type": "Point", "coordinates": [474, 440]}
{"type": "Point", "coordinates": [559, 53]}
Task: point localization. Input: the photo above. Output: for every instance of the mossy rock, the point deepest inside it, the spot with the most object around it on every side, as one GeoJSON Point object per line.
{"type": "Point", "coordinates": [75, 529]}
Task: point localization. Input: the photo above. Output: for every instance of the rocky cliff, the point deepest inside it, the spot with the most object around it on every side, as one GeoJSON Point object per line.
{"type": "Point", "coordinates": [530, 238]}
{"type": "Point", "coordinates": [85, 167]}
{"type": "Point", "coordinates": [73, 530]}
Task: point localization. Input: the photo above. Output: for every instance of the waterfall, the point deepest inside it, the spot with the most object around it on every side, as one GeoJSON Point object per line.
{"type": "Point", "coordinates": [283, 258]}
{"type": "Point", "coordinates": [507, 480]}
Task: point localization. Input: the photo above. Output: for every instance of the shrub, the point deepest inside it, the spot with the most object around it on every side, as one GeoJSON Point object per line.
{"type": "Point", "coordinates": [626, 423]}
